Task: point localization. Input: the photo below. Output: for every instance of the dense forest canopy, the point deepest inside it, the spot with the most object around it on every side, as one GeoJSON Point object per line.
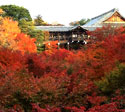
{"type": "Point", "coordinates": [16, 12]}
{"type": "Point", "coordinates": [90, 79]}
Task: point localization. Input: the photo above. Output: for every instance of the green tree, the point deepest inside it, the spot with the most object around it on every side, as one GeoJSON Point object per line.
{"type": "Point", "coordinates": [38, 21]}
{"type": "Point", "coordinates": [16, 12]}
{"type": "Point", "coordinates": [81, 22]}
{"type": "Point", "coordinates": [39, 35]}
{"type": "Point", "coordinates": [113, 81]}
{"type": "Point", "coordinates": [28, 28]}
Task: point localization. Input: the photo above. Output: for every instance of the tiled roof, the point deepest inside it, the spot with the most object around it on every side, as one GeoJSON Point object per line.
{"type": "Point", "coordinates": [97, 21]}
{"type": "Point", "coordinates": [54, 28]}
{"type": "Point", "coordinates": [91, 28]}
{"type": "Point", "coordinates": [57, 28]}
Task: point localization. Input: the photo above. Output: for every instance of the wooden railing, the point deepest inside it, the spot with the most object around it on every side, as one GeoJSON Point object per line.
{"type": "Point", "coordinates": [68, 39]}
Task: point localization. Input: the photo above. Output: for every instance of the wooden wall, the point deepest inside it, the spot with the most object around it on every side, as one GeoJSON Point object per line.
{"type": "Point", "coordinates": [116, 18]}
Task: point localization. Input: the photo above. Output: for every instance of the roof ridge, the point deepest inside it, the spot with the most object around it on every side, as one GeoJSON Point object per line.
{"type": "Point", "coordinates": [112, 10]}
{"type": "Point", "coordinates": [53, 26]}
{"type": "Point", "coordinates": [59, 26]}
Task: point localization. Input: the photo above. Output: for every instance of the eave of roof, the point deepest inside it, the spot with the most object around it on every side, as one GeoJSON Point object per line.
{"type": "Point", "coordinates": [91, 28]}
{"type": "Point", "coordinates": [57, 28]}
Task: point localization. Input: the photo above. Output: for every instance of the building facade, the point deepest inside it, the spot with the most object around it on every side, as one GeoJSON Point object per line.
{"type": "Point", "coordinates": [112, 18]}
{"type": "Point", "coordinates": [64, 34]}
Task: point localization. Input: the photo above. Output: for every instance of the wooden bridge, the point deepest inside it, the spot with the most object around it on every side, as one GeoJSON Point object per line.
{"type": "Point", "coordinates": [65, 35]}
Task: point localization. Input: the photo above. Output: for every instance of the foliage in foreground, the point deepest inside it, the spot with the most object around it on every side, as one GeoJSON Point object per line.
{"type": "Point", "coordinates": [87, 80]}
{"type": "Point", "coordinates": [12, 38]}
{"type": "Point", "coordinates": [7, 20]}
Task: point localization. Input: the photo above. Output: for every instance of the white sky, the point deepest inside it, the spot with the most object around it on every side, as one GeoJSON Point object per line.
{"type": "Point", "coordinates": [66, 11]}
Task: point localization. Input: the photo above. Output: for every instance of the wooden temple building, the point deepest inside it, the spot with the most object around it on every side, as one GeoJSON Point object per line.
{"type": "Point", "coordinates": [64, 34]}
{"type": "Point", "coordinates": [78, 34]}
{"type": "Point", "coordinates": [112, 18]}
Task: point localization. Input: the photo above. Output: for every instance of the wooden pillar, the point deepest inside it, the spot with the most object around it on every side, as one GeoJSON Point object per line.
{"type": "Point", "coordinates": [64, 36]}
{"type": "Point", "coordinates": [72, 36]}
{"type": "Point", "coordinates": [58, 37]}
{"type": "Point", "coordinates": [52, 37]}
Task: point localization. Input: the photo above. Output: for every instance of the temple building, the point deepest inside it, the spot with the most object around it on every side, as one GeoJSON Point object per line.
{"type": "Point", "coordinates": [112, 18]}
{"type": "Point", "coordinates": [64, 34]}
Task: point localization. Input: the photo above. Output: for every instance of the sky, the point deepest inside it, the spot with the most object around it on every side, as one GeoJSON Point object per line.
{"type": "Point", "coordinates": [66, 11]}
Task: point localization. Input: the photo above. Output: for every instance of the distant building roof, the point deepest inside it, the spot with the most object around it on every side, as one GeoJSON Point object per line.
{"type": "Point", "coordinates": [57, 28]}
{"type": "Point", "coordinates": [97, 21]}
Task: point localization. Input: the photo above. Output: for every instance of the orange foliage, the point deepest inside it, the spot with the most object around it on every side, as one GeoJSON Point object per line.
{"type": "Point", "coordinates": [1, 11]}
{"type": "Point", "coordinates": [51, 46]}
{"type": "Point", "coordinates": [25, 43]}
{"type": "Point", "coordinates": [9, 26]}
{"type": "Point", "coordinates": [11, 37]}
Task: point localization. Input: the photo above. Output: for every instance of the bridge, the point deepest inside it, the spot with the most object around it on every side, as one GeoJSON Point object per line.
{"type": "Point", "coordinates": [66, 36]}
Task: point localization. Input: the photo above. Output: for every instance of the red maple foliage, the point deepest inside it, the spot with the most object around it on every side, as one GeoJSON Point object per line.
{"type": "Point", "coordinates": [58, 80]}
